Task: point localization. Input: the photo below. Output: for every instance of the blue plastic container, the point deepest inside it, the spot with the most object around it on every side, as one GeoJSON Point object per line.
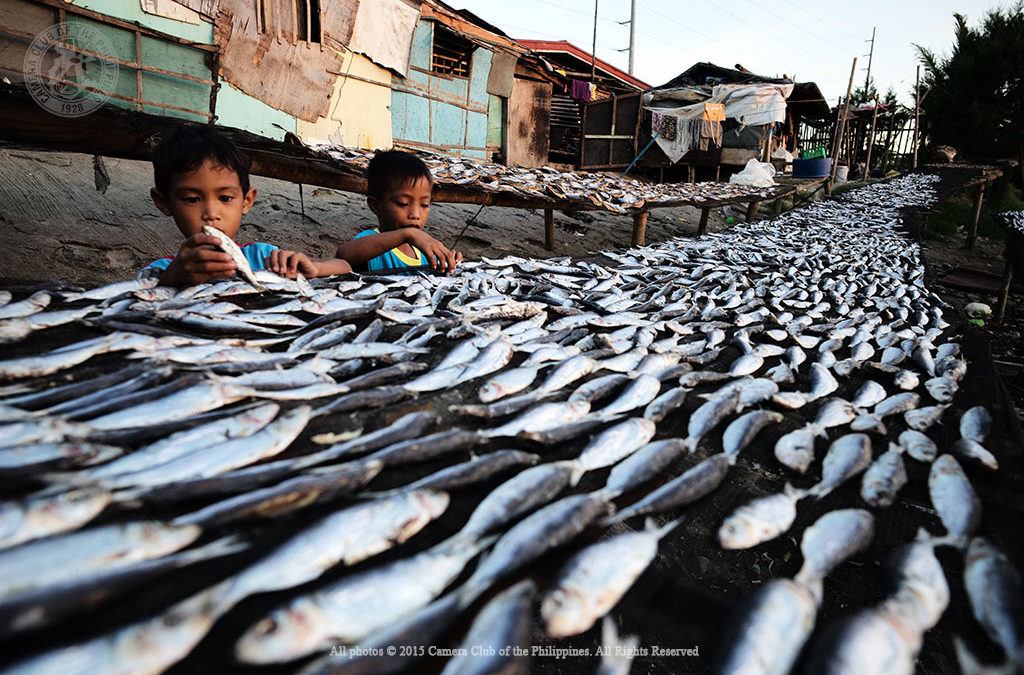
{"type": "Point", "coordinates": [818, 167]}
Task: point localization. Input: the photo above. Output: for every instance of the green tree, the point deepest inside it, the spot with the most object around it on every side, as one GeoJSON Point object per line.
{"type": "Point", "coordinates": [974, 98]}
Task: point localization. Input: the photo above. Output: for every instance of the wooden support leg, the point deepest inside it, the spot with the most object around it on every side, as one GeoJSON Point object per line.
{"type": "Point", "coordinates": [703, 226]}
{"type": "Point", "coordinates": [828, 187]}
{"type": "Point", "coordinates": [549, 229]}
{"type": "Point", "coordinates": [752, 211]}
{"type": "Point", "coordinates": [1007, 280]}
{"type": "Point", "coordinates": [639, 227]}
{"type": "Point", "coordinates": [972, 234]}
{"type": "Point", "coordinates": [778, 205]}
{"type": "Point", "coordinates": [691, 173]}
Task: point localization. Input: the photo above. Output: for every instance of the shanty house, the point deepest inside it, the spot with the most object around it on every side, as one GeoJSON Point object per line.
{"type": "Point", "coordinates": [364, 74]}
{"type": "Point", "coordinates": [708, 116]}
{"type": "Point", "coordinates": [589, 106]}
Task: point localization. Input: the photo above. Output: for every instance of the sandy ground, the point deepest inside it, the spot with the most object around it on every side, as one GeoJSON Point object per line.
{"type": "Point", "coordinates": [56, 226]}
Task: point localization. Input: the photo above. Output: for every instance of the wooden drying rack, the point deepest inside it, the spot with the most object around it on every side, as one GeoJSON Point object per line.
{"type": "Point", "coordinates": [113, 132]}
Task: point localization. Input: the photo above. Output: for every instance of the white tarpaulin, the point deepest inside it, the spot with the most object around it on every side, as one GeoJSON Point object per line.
{"type": "Point", "coordinates": [753, 104]}
{"type": "Point", "coordinates": [749, 104]}
{"type": "Point", "coordinates": [383, 32]}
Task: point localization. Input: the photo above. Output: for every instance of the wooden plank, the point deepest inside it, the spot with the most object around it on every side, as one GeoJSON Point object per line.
{"type": "Point", "coordinates": [549, 229]}
{"type": "Point", "coordinates": [639, 227]}
{"type": "Point", "coordinates": [110, 21]}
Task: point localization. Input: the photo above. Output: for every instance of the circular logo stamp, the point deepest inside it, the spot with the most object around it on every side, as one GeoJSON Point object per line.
{"type": "Point", "coordinates": [62, 73]}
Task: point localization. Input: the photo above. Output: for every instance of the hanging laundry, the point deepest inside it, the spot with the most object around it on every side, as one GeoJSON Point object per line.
{"type": "Point", "coordinates": [579, 90]}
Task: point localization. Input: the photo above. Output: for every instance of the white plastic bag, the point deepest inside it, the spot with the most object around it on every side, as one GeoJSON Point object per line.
{"type": "Point", "coordinates": [756, 174]}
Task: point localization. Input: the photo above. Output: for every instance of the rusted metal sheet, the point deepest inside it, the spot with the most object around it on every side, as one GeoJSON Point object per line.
{"type": "Point", "coordinates": [529, 118]}
{"type": "Point", "coordinates": [294, 78]}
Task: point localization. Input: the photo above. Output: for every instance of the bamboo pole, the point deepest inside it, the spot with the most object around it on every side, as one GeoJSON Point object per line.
{"type": "Point", "coordinates": [1004, 292]}
{"type": "Point", "coordinates": [917, 110]}
{"type": "Point", "coordinates": [871, 140]}
{"type": "Point", "coordinates": [835, 130]}
{"type": "Point", "coordinates": [842, 126]}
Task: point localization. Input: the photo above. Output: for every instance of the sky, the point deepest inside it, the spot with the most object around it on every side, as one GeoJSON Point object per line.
{"type": "Point", "coordinates": [811, 41]}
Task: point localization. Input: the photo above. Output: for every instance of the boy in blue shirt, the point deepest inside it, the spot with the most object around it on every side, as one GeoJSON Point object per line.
{"type": "Point", "coordinates": [202, 178]}
{"type": "Point", "coordinates": [398, 192]}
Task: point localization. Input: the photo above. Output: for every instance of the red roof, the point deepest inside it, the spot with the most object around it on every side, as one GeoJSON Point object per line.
{"type": "Point", "coordinates": [566, 47]}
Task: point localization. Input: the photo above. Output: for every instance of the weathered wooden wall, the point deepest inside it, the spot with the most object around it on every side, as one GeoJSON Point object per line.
{"type": "Point", "coordinates": [295, 78]}
{"type": "Point", "coordinates": [529, 119]}
{"type": "Point", "coordinates": [441, 112]}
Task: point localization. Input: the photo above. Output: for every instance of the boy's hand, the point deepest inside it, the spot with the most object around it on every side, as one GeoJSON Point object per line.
{"type": "Point", "coordinates": [438, 256]}
{"type": "Point", "coordinates": [199, 259]}
{"type": "Point", "coordinates": [288, 263]}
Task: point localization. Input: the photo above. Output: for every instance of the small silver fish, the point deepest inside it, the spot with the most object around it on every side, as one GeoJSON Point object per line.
{"type": "Point", "coordinates": [918, 446]}
{"type": "Point", "coordinates": [507, 383]}
{"type": "Point", "coordinates": [994, 589]}
{"type": "Point", "coordinates": [884, 478]}
{"type": "Point", "coordinates": [846, 457]}
{"type": "Point", "coordinates": [954, 499]}
{"type": "Point", "coordinates": [975, 423]}
{"type": "Point", "coordinates": [745, 428]}
{"type": "Point", "coordinates": [822, 382]}
{"type": "Point", "coordinates": [923, 418]}
{"type": "Point", "coordinates": [966, 448]}
{"type": "Point", "coordinates": [833, 538]}
{"type": "Point", "coordinates": [231, 248]}
{"type": "Point", "coordinates": [796, 449]}
{"type": "Point", "coordinates": [706, 417]}
{"type": "Point", "coordinates": [942, 389]}
{"type": "Point", "coordinates": [614, 444]}
{"type": "Point", "coordinates": [759, 520]}
{"type": "Point", "coordinates": [641, 391]}
{"type": "Point", "coordinates": [595, 579]}
{"type": "Point", "coordinates": [868, 395]}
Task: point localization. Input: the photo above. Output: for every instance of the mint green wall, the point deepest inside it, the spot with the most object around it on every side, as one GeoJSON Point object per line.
{"type": "Point", "coordinates": [235, 108]}
{"type": "Point", "coordinates": [131, 10]}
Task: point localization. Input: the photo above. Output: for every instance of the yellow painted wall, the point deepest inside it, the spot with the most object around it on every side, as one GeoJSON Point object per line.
{"type": "Point", "coordinates": [359, 113]}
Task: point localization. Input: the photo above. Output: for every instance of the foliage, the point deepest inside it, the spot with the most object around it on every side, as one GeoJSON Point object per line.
{"type": "Point", "coordinates": [975, 96]}
{"type": "Point", "coordinates": [954, 215]}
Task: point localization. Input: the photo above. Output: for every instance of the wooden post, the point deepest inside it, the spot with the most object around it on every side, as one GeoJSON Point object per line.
{"type": "Point", "coordinates": [917, 114]}
{"type": "Point", "coordinates": [702, 227]}
{"type": "Point", "coordinates": [639, 227]}
{"type": "Point", "coordinates": [138, 71]}
{"type": "Point", "coordinates": [871, 140]}
{"type": "Point", "coordinates": [842, 125]}
{"type": "Point", "coordinates": [752, 210]}
{"type": "Point", "coordinates": [1005, 293]}
{"type": "Point", "coordinates": [835, 130]}
{"type": "Point", "coordinates": [549, 229]}
{"type": "Point", "coordinates": [972, 234]}
{"type": "Point", "coordinates": [778, 205]}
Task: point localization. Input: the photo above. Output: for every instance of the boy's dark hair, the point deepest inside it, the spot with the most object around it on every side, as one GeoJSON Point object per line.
{"type": "Point", "coordinates": [390, 169]}
{"type": "Point", "coordinates": [187, 147]}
